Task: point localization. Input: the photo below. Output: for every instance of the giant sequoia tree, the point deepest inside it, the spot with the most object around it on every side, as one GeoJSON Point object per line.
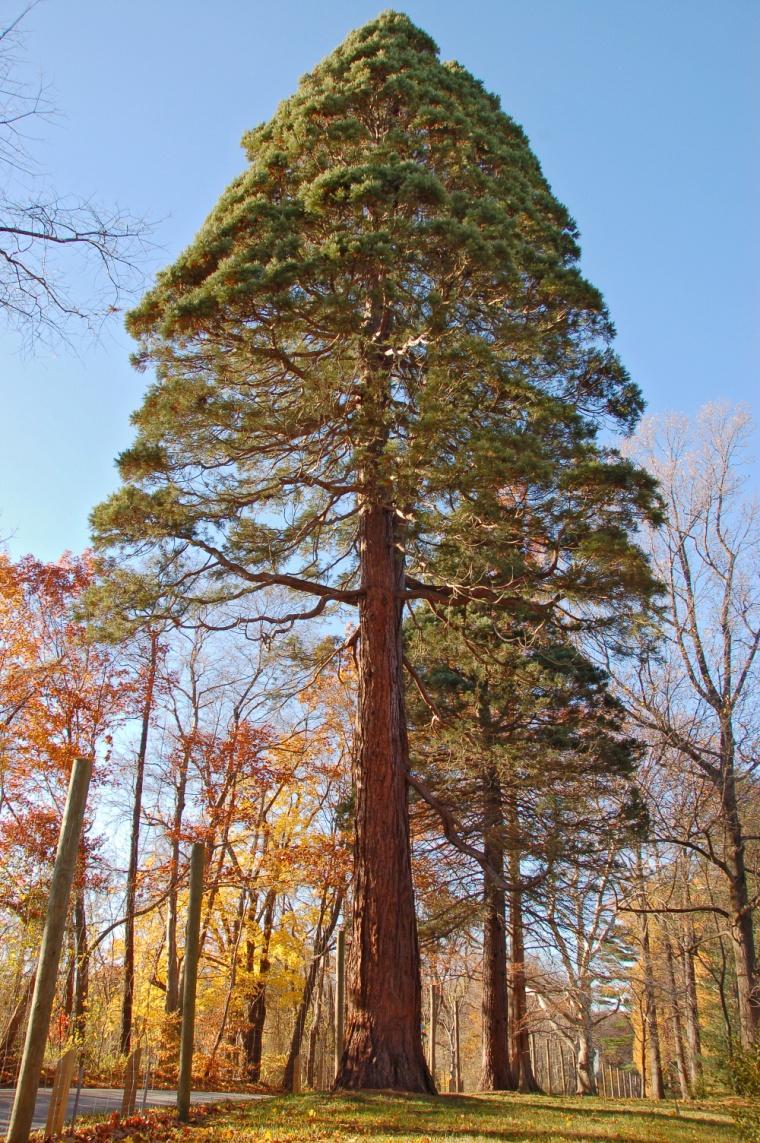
{"type": "Point", "coordinates": [378, 358]}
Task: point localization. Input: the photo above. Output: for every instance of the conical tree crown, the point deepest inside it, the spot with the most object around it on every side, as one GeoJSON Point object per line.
{"type": "Point", "coordinates": [387, 303]}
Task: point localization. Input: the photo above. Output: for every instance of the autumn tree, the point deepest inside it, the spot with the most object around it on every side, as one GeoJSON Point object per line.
{"type": "Point", "coordinates": [378, 360]}
{"type": "Point", "coordinates": [67, 696]}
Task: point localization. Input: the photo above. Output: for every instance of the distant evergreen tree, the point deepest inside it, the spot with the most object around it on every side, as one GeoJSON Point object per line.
{"type": "Point", "coordinates": [379, 356]}
{"type": "Point", "coordinates": [521, 748]}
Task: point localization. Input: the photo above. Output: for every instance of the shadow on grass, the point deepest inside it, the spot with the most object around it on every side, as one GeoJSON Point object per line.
{"type": "Point", "coordinates": [493, 1117]}
{"type": "Point", "coordinates": [494, 1104]}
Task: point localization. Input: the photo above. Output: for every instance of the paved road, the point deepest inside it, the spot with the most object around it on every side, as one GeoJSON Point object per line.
{"type": "Point", "coordinates": [101, 1100]}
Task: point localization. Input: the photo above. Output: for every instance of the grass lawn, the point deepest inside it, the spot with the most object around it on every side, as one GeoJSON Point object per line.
{"type": "Point", "coordinates": [378, 1118]}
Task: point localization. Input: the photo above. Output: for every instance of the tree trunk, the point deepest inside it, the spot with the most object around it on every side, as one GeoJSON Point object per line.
{"type": "Point", "coordinates": [321, 941]}
{"type": "Point", "coordinates": [257, 1001]}
{"type": "Point", "coordinates": [678, 1037]}
{"type": "Point", "coordinates": [691, 1011]}
{"type": "Point", "coordinates": [81, 968]}
{"type": "Point", "coordinates": [237, 932]}
{"type": "Point", "coordinates": [496, 1074]}
{"type": "Point", "coordinates": [171, 1000]}
{"type": "Point", "coordinates": [519, 1036]}
{"type": "Point", "coordinates": [585, 1076]}
{"type": "Point", "coordinates": [455, 1075]}
{"type": "Point", "coordinates": [311, 1058]}
{"type": "Point", "coordinates": [655, 1087]}
{"type": "Point", "coordinates": [383, 1044]}
{"type": "Point", "coordinates": [742, 935]}
{"type": "Point", "coordinates": [127, 1003]}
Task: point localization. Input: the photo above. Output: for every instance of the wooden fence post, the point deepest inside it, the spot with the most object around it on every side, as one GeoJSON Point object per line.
{"type": "Point", "coordinates": [192, 949]}
{"type": "Point", "coordinates": [562, 1068]}
{"type": "Point", "coordinates": [50, 953]}
{"type": "Point", "coordinates": [59, 1096]}
{"type": "Point", "coordinates": [131, 1082]}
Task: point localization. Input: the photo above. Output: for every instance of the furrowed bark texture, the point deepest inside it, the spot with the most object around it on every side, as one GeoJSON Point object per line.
{"type": "Point", "coordinates": [383, 1047]}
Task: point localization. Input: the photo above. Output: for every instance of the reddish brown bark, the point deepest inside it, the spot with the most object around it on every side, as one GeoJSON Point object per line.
{"type": "Point", "coordinates": [383, 1046]}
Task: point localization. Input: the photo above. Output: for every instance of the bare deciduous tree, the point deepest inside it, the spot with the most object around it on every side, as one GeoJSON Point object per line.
{"type": "Point", "coordinates": [64, 259]}
{"type": "Point", "coordinates": [696, 701]}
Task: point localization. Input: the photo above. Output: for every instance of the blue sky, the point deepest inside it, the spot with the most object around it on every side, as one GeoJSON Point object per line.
{"type": "Point", "coordinates": [643, 113]}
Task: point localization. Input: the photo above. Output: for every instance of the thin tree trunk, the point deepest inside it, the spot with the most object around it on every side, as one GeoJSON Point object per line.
{"type": "Point", "coordinates": [321, 941]}
{"type": "Point", "coordinates": [311, 1058]}
{"type": "Point", "coordinates": [236, 935]}
{"type": "Point", "coordinates": [496, 1074]}
{"type": "Point", "coordinates": [458, 1085]}
{"type": "Point", "coordinates": [383, 1043]}
{"type": "Point", "coordinates": [585, 1077]}
{"type": "Point", "coordinates": [81, 968]}
{"type": "Point", "coordinates": [678, 1037]}
{"type": "Point", "coordinates": [127, 1003]}
{"type": "Point", "coordinates": [742, 935]}
{"type": "Point", "coordinates": [257, 1001]}
{"type": "Point", "coordinates": [519, 1036]}
{"type": "Point", "coordinates": [653, 1058]}
{"type": "Point", "coordinates": [691, 1011]}
{"type": "Point", "coordinates": [171, 1000]}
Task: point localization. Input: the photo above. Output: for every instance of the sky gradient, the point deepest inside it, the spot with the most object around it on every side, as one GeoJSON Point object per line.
{"type": "Point", "coordinates": [644, 115]}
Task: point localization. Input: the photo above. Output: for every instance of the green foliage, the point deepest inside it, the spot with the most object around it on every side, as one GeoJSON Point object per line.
{"type": "Point", "coordinates": [385, 307]}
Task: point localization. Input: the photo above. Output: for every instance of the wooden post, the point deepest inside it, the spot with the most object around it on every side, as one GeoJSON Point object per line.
{"type": "Point", "coordinates": [340, 996]}
{"type": "Point", "coordinates": [192, 949]}
{"type": "Point", "coordinates": [610, 1087]}
{"type": "Point", "coordinates": [50, 953]}
{"type": "Point", "coordinates": [131, 1082]}
{"type": "Point", "coordinates": [547, 1054]}
{"type": "Point", "coordinates": [562, 1068]}
{"type": "Point", "coordinates": [433, 1008]}
{"type": "Point", "coordinates": [59, 1096]}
